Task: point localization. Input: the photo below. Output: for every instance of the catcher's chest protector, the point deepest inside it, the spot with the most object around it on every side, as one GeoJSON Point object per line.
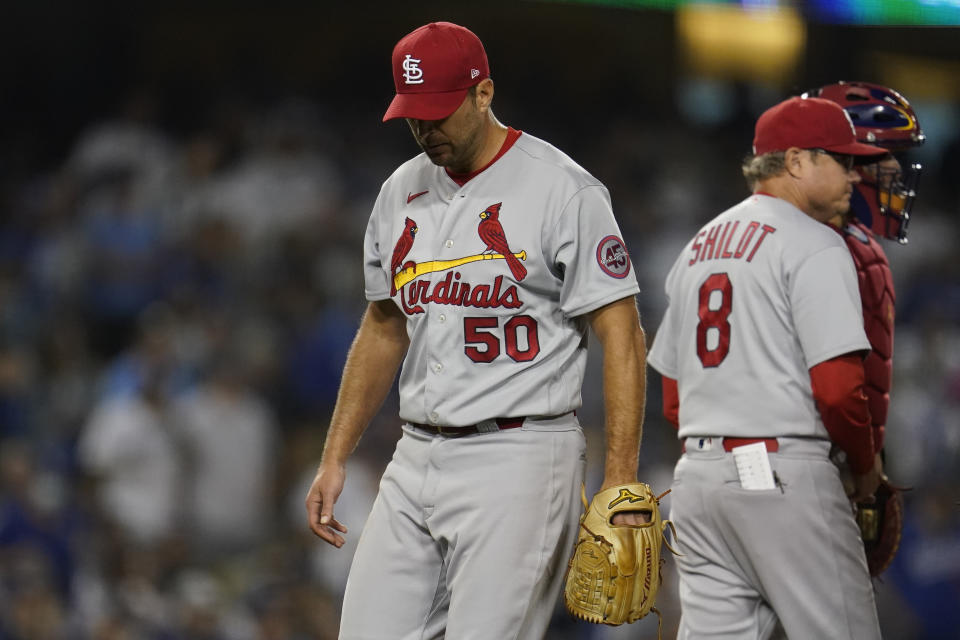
{"type": "Point", "coordinates": [877, 296]}
{"type": "Point", "coordinates": [614, 574]}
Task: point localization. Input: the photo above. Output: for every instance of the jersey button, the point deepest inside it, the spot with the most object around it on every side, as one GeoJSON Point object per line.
{"type": "Point", "coordinates": [434, 417]}
{"type": "Point", "coordinates": [438, 367]}
{"type": "Point", "coordinates": [442, 318]}
{"type": "Point", "coordinates": [448, 244]}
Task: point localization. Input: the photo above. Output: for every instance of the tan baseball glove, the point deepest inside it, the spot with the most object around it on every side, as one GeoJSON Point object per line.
{"type": "Point", "coordinates": [614, 574]}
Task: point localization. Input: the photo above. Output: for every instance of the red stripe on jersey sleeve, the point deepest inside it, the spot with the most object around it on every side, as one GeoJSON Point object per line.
{"type": "Point", "coordinates": [838, 391]}
{"type": "Point", "coordinates": [671, 401]}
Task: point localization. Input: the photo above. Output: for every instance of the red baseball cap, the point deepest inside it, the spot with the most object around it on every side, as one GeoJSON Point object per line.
{"type": "Point", "coordinates": [809, 123]}
{"type": "Point", "coordinates": [433, 67]}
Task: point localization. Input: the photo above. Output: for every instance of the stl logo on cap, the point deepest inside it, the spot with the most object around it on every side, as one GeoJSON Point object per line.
{"type": "Point", "coordinates": [434, 67]}
{"type": "Point", "coordinates": [412, 74]}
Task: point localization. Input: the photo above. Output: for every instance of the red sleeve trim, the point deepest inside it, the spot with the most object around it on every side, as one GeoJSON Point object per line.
{"type": "Point", "coordinates": [838, 391]}
{"type": "Point", "coordinates": [671, 401]}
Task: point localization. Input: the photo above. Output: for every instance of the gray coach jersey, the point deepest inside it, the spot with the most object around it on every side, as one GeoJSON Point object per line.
{"type": "Point", "coordinates": [760, 295]}
{"type": "Point", "coordinates": [492, 277]}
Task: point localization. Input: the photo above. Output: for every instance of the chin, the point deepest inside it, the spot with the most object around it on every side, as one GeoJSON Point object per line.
{"type": "Point", "coordinates": [441, 159]}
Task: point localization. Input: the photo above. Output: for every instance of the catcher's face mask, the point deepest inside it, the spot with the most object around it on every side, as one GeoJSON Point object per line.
{"type": "Point", "coordinates": [884, 198]}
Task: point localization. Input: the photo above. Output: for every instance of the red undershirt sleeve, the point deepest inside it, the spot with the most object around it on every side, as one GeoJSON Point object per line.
{"type": "Point", "coordinates": [838, 391]}
{"type": "Point", "coordinates": [671, 401]}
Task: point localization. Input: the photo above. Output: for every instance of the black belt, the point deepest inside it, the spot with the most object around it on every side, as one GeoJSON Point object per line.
{"type": "Point", "coordinates": [456, 432]}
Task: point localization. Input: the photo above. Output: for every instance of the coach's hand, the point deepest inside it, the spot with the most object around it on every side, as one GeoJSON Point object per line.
{"type": "Point", "coordinates": [865, 485]}
{"type": "Point", "coordinates": [323, 494]}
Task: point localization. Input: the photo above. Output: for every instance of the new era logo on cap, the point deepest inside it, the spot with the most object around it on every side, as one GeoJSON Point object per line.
{"type": "Point", "coordinates": [433, 67]}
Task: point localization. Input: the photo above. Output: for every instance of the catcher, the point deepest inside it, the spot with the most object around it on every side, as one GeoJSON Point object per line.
{"type": "Point", "coordinates": [880, 207]}
{"type": "Point", "coordinates": [614, 574]}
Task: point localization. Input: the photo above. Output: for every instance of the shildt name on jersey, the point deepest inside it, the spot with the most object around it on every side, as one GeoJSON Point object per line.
{"type": "Point", "coordinates": [714, 242]}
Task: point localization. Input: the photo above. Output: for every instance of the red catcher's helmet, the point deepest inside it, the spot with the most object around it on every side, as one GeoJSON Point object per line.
{"type": "Point", "coordinates": [882, 117]}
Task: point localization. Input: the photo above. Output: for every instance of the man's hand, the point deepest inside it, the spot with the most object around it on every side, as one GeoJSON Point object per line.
{"type": "Point", "coordinates": [372, 363]}
{"type": "Point", "coordinates": [865, 485]}
{"type": "Point", "coordinates": [614, 574]}
{"type": "Point", "coordinates": [323, 494]}
{"type": "Point", "coordinates": [632, 518]}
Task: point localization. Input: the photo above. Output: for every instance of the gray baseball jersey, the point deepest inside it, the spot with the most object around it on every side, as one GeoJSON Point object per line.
{"type": "Point", "coordinates": [760, 295]}
{"type": "Point", "coordinates": [469, 536]}
{"type": "Point", "coordinates": [492, 302]}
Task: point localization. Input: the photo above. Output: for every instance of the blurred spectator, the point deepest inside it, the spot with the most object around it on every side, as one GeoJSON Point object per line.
{"type": "Point", "coordinates": [17, 379]}
{"type": "Point", "coordinates": [926, 569]}
{"type": "Point", "coordinates": [65, 391]}
{"type": "Point", "coordinates": [155, 356]}
{"type": "Point", "coordinates": [38, 526]}
{"type": "Point", "coordinates": [284, 182]}
{"type": "Point", "coordinates": [34, 611]}
{"type": "Point", "coordinates": [318, 351]}
{"type": "Point", "coordinates": [128, 447]}
{"type": "Point", "coordinates": [38, 530]}
{"type": "Point", "coordinates": [123, 273]}
{"type": "Point", "coordinates": [198, 610]}
{"type": "Point", "coordinates": [229, 439]}
{"type": "Point", "coordinates": [132, 143]}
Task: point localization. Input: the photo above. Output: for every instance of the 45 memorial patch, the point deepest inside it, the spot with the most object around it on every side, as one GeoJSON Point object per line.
{"type": "Point", "coordinates": [613, 258]}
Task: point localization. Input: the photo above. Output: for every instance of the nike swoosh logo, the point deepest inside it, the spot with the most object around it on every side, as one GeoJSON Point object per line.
{"type": "Point", "coordinates": [413, 196]}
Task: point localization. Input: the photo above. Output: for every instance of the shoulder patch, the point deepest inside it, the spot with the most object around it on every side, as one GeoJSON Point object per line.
{"type": "Point", "coordinates": [613, 258]}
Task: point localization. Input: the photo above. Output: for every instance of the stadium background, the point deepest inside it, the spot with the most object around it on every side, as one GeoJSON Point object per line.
{"type": "Point", "coordinates": [183, 193]}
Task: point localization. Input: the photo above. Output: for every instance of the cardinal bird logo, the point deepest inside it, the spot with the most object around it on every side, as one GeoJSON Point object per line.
{"type": "Point", "coordinates": [400, 251]}
{"type": "Point", "coordinates": [491, 232]}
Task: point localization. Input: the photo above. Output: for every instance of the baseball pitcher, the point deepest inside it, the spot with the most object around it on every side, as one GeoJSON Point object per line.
{"type": "Point", "coordinates": [487, 259]}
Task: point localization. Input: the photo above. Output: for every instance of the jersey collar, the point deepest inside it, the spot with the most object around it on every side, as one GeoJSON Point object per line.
{"type": "Point", "coordinates": [463, 178]}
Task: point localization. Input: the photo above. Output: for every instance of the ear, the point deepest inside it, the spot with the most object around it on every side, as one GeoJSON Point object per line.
{"type": "Point", "coordinates": [484, 94]}
{"type": "Point", "coordinates": [793, 161]}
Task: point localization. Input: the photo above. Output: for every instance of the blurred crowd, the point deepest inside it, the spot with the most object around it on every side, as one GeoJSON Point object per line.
{"type": "Point", "coordinates": [175, 309]}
